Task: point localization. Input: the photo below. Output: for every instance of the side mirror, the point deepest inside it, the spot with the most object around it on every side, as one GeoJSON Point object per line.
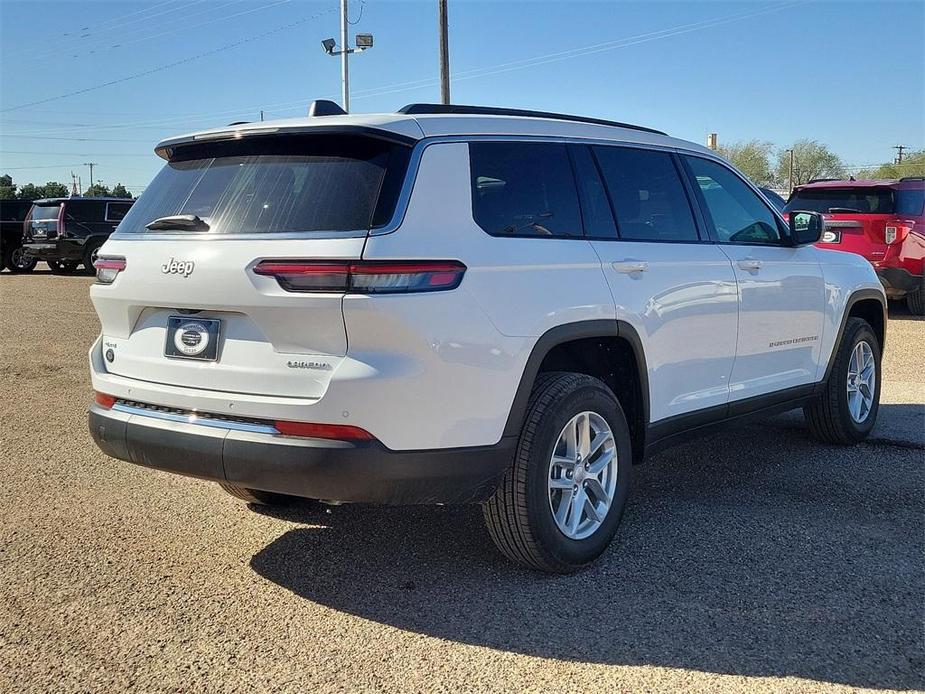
{"type": "Point", "coordinates": [805, 227]}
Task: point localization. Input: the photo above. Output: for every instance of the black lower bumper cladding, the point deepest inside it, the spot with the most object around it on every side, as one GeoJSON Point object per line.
{"type": "Point", "coordinates": [314, 468]}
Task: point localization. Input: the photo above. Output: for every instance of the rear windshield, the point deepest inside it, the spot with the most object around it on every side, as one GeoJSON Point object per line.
{"type": "Point", "coordinates": [843, 200]}
{"type": "Point", "coordinates": [45, 212]}
{"type": "Point", "coordinates": [277, 185]}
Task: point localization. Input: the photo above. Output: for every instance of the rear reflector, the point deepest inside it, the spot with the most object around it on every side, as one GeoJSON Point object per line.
{"type": "Point", "coordinates": [104, 400]}
{"type": "Point", "coordinates": [340, 432]}
{"type": "Point", "coordinates": [364, 277]}
{"type": "Point", "coordinates": [108, 268]}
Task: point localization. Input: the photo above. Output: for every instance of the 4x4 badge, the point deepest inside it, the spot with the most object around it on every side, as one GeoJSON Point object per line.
{"type": "Point", "coordinates": [178, 267]}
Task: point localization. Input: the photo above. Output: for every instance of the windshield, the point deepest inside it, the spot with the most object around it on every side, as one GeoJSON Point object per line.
{"type": "Point", "coordinates": [277, 185]}
{"type": "Point", "coordinates": [845, 200]}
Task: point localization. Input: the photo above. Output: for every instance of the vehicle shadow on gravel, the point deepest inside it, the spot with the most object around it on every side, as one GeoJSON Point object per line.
{"type": "Point", "coordinates": [754, 552]}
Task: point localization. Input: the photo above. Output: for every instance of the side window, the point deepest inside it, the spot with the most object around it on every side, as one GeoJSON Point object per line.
{"type": "Point", "coordinates": [595, 208]}
{"type": "Point", "coordinates": [523, 189]}
{"type": "Point", "coordinates": [647, 195]}
{"type": "Point", "coordinates": [737, 214]}
{"type": "Point", "coordinates": [115, 211]}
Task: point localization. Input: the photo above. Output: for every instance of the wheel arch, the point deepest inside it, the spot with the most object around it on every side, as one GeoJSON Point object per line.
{"type": "Point", "coordinates": [562, 342]}
{"type": "Point", "coordinates": [868, 304]}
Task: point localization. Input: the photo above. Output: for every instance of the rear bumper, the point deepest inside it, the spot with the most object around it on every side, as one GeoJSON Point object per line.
{"type": "Point", "coordinates": [897, 280]}
{"type": "Point", "coordinates": [312, 468]}
{"type": "Point", "coordinates": [60, 249]}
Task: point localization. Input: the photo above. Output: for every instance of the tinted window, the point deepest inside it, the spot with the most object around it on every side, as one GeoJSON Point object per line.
{"type": "Point", "coordinates": [84, 211]}
{"type": "Point", "coordinates": [277, 184]}
{"type": "Point", "coordinates": [115, 211]}
{"type": "Point", "coordinates": [910, 202]}
{"type": "Point", "coordinates": [523, 189]}
{"type": "Point", "coordinates": [595, 208]}
{"type": "Point", "coordinates": [847, 200]}
{"type": "Point", "coordinates": [647, 195]}
{"type": "Point", "coordinates": [45, 212]}
{"type": "Point", "coordinates": [13, 211]}
{"type": "Point", "coordinates": [737, 214]}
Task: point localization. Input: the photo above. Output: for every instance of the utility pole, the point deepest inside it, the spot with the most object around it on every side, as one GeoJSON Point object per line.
{"type": "Point", "coordinates": [444, 53]}
{"type": "Point", "coordinates": [91, 164]}
{"type": "Point", "coordinates": [790, 177]}
{"type": "Point", "coordinates": [899, 157]}
{"type": "Point", "coordinates": [712, 141]}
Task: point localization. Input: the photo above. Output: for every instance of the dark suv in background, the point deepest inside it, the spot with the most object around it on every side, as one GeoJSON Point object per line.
{"type": "Point", "coordinates": [884, 221]}
{"type": "Point", "coordinates": [12, 215]}
{"type": "Point", "coordinates": [67, 232]}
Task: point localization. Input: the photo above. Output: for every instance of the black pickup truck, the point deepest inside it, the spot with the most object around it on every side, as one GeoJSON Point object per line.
{"type": "Point", "coordinates": [12, 215]}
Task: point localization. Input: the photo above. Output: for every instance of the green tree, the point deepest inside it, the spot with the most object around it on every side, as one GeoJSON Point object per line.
{"type": "Point", "coordinates": [97, 190]}
{"type": "Point", "coordinates": [913, 165]}
{"type": "Point", "coordinates": [811, 159]}
{"type": "Point", "coordinates": [53, 189]}
{"type": "Point", "coordinates": [753, 158]}
{"type": "Point", "coordinates": [7, 187]}
{"type": "Point", "coordinates": [30, 191]}
{"type": "Point", "coordinates": [119, 191]}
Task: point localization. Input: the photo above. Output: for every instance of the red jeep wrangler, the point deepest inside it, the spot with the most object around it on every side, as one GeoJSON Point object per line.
{"type": "Point", "coordinates": [882, 220]}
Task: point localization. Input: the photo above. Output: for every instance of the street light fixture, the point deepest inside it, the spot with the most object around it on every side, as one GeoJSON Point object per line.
{"type": "Point", "coordinates": [363, 42]}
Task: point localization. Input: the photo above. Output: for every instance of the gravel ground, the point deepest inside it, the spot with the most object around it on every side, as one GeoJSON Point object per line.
{"type": "Point", "coordinates": [753, 560]}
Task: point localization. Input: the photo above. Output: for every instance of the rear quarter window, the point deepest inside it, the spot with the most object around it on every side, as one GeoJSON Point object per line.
{"type": "Point", "coordinates": [524, 189]}
{"type": "Point", "coordinates": [910, 202]}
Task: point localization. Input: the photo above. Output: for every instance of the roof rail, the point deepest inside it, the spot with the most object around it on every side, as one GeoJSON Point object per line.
{"type": "Point", "coordinates": [417, 109]}
{"type": "Point", "coordinates": [912, 178]}
{"type": "Point", "coordinates": [823, 180]}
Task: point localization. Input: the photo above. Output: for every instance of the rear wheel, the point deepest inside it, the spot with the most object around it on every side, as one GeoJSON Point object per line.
{"type": "Point", "coordinates": [258, 496]}
{"type": "Point", "coordinates": [91, 251]}
{"type": "Point", "coordinates": [62, 267]}
{"type": "Point", "coordinates": [846, 411]}
{"type": "Point", "coordinates": [560, 503]}
{"type": "Point", "coordinates": [915, 300]}
{"type": "Point", "coordinates": [15, 260]}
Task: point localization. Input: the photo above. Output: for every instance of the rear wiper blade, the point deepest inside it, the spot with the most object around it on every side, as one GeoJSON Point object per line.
{"type": "Point", "coordinates": [849, 210]}
{"type": "Point", "coordinates": [178, 222]}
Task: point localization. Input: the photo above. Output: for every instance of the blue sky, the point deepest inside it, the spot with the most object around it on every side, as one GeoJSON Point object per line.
{"type": "Point", "coordinates": [850, 74]}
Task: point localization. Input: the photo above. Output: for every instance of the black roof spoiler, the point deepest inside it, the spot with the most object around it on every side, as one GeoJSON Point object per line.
{"type": "Point", "coordinates": [454, 109]}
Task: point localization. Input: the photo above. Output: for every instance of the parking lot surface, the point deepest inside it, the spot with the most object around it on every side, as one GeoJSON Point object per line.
{"type": "Point", "coordinates": [756, 559]}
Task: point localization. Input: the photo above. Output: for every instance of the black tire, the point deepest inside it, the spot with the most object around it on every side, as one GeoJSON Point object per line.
{"type": "Point", "coordinates": [828, 416]}
{"type": "Point", "coordinates": [915, 300]}
{"type": "Point", "coordinates": [257, 496]}
{"type": "Point", "coordinates": [62, 267]}
{"type": "Point", "coordinates": [90, 251]}
{"type": "Point", "coordinates": [519, 516]}
{"type": "Point", "coordinates": [14, 260]}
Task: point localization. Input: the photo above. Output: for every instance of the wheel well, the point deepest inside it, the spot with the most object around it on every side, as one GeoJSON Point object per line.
{"type": "Point", "coordinates": [870, 310]}
{"type": "Point", "coordinates": [613, 361]}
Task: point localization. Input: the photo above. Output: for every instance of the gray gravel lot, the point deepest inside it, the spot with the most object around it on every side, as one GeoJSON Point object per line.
{"type": "Point", "coordinates": [753, 560]}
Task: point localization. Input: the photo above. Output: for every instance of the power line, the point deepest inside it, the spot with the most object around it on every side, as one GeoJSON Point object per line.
{"type": "Point", "coordinates": [167, 66]}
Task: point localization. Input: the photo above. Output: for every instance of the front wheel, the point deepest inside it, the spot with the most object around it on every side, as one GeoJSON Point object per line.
{"type": "Point", "coordinates": [846, 410]}
{"type": "Point", "coordinates": [561, 501]}
{"type": "Point", "coordinates": [16, 260]}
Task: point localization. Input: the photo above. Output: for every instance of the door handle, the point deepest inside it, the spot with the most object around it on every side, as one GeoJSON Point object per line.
{"type": "Point", "coordinates": [630, 266]}
{"type": "Point", "coordinates": [750, 264]}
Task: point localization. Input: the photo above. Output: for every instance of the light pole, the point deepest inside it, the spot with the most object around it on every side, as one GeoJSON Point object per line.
{"type": "Point", "coordinates": [363, 42]}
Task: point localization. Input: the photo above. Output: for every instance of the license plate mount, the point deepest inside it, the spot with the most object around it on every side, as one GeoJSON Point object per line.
{"type": "Point", "coordinates": [189, 337]}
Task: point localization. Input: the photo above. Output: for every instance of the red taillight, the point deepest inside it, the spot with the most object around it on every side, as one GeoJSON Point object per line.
{"type": "Point", "coordinates": [340, 432]}
{"type": "Point", "coordinates": [364, 277]}
{"type": "Point", "coordinates": [107, 269]}
{"type": "Point", "coordinates": [104, 400]}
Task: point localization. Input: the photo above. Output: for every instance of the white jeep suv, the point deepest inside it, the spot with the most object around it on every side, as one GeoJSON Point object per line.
{"type": "Point", "coordinates": [457, 304]}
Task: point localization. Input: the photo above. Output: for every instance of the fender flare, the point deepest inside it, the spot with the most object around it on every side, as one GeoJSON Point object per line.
{"type": "Point", "coordinates": [570, 332]}
{"type": "Point", "coordinates": [853, 298]}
